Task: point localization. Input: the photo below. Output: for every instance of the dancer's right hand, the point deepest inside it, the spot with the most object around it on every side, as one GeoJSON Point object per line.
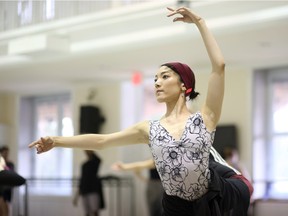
{"type": "Point", "coordinates": [42, 145]}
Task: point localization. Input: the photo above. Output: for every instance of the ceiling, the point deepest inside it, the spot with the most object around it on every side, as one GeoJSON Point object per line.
{"type": "Point", "coordinates": [112, 45]}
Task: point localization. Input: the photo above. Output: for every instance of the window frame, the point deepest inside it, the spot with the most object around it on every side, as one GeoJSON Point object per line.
{"type": "Point", "coordinates": [264, 180]}
{"type": "Point", "coordinates": [38, 184]}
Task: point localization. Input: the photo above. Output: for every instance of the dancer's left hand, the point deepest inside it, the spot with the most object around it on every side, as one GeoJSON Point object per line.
{"type": "Point", "coordinates": [187, 15]}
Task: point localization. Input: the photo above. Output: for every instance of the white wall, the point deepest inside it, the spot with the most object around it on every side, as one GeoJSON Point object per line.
{"type": "Point", "coordinates": [9, 118]}
{"type": "Point", "coordinates": [4, 130]}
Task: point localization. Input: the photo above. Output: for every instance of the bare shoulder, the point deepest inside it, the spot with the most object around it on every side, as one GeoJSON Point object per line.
{"type": "Point", "coordinates": [141, 129]}
{"type": "Point", "coordinates": [135, 134]}
{"type": "Point", "coordinates": [143, 126]}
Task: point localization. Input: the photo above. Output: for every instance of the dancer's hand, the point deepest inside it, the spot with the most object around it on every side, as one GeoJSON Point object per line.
{"type": "Point", "coordinates": [187, 15]}
{"type": "Point", "coordinates": [44, 144]}
{"type": "Point", "coordinates": [118, 166]}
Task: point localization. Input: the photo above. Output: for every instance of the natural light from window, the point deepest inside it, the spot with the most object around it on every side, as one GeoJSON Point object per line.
{"type": "Point", "coordinates": [53, 117]}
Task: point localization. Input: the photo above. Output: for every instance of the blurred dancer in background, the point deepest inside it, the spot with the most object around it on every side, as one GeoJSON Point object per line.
{"type": "Point", "coordinates": [90, 186]}
{"type": "Point", "coordinates": [154, 189]}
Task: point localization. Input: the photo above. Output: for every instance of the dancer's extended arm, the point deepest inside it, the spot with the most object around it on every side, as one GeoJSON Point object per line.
{"type": "Point", "coordinates": [136, 134]}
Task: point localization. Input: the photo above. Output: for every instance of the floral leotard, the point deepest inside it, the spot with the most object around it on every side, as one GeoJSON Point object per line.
{"type": "Point", "coordinates": [183, 164]}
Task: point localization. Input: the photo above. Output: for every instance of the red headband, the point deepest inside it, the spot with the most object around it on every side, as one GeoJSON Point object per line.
{"type": "Point", "coordinates": [185, 73]}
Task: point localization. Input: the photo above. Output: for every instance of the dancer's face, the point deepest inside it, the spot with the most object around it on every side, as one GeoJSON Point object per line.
{"type": "Point", "coordinates": [167, 85]}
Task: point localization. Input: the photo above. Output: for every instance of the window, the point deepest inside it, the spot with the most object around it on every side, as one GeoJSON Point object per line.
{"type": "Point", "coordinates": [24, 9]}
{"type": "Point", "coordinates": [48, 116]}
{"type": "Point", "coordinates": [50, 9]}
{"type": "Point", "coordinates": [271, 133]}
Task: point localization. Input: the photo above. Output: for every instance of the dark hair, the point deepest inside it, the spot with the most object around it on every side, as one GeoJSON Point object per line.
{"type": "Point", "coordinates": [192, 95]}
{"type": "Point", "coordinates": [4, 148]}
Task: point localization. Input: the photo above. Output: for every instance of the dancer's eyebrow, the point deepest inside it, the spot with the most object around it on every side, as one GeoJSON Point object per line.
{"type": "Point", "coordinates": [163, 72]}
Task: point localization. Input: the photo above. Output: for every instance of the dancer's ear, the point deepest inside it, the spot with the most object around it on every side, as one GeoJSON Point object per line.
{"type": "Point", "coordinates": [183, 87]}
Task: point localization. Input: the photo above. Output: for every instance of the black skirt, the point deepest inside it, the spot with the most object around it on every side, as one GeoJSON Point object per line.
{"type": "Point", "coordinates": [226, 197]}
{"type": "Point", "coordinates": [9, 179]}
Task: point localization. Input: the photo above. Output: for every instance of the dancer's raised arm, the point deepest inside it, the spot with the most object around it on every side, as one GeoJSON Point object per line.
{"type": "Point", "coordinates": [211, 109]}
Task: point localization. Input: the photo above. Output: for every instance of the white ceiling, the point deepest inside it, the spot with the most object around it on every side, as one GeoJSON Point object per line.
{"type": "Point", "coordinates": [112, 44]}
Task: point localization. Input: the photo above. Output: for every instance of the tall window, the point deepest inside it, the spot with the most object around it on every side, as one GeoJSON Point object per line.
{"type": "Point", "coordinates": [25, 11]}
{"type": "Point", "coordinates": [53, 117]}
{"type": "Point", "coordinates": [271, 133]}
{"type": "Point", "coordinates": [49, 115]}
{"type": "Point", "coordinates": [50, 9]}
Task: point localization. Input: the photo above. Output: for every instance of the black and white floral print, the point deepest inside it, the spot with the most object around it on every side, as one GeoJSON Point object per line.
{"type": "Point", "coordinates": [183, 164]}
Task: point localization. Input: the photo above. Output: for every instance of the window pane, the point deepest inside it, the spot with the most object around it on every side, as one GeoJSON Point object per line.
{"type": "Point", "coordinates": [47, 118]}
{"type": "Point", "coordinates": [279, 174]}
{"type": "Point", "coordinates": [271, 127]}
{"type": "Point", "coordinates": [65, 165]}
{"type": "Point", "coordinates": [279, 157]}
{"type": "Point", "coordinates": [47, 123]}
{"type": "Point", "coordinates": [67, 124]}
{"type": "Point", "coordinates": [25, 9]}
{"type": "Point", "coordinates": [53, 117]}
{"type": "Point", "coordinates": [280, 107]}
